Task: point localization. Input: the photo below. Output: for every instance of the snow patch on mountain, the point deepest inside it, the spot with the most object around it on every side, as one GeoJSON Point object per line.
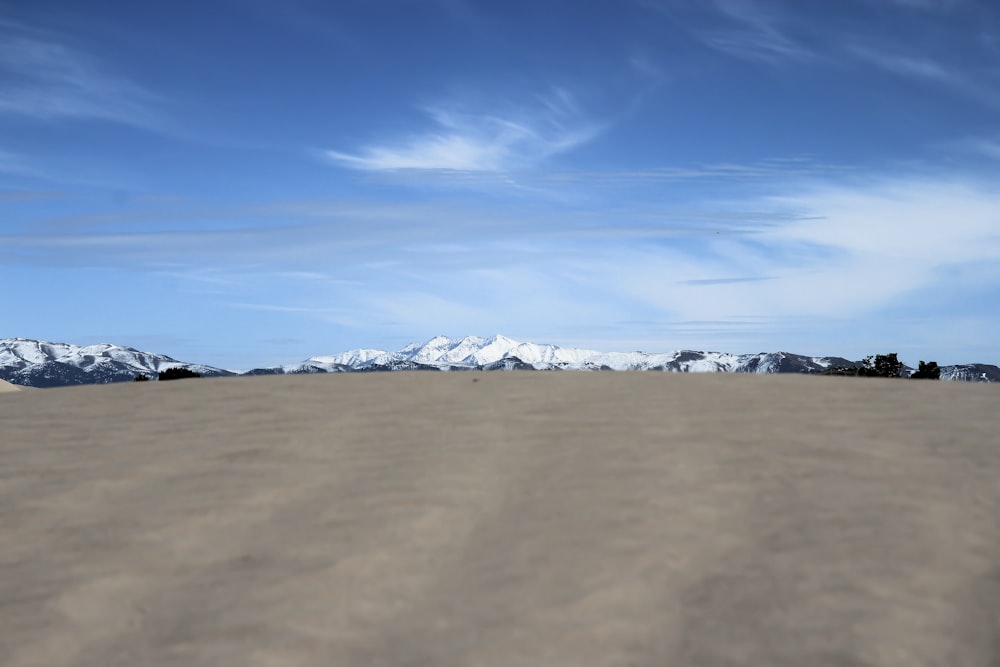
{"type": "Point", "coordinates": [358, 357]}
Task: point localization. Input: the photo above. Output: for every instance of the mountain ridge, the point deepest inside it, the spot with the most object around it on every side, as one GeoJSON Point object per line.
{"type": "Point", "coordinates": [35, 363]}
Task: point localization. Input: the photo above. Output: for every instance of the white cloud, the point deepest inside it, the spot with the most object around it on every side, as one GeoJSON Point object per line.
{"type": "Point", "coordinates": [482, 142]}
{"type": "Point", "coordinates": [926, 221]}
{"type": "Point", "coordinates": [833, 251]}
{"type": "Point", "coordinates": [437, 151]}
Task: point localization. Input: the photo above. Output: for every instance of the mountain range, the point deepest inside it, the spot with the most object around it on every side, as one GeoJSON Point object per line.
{"type": "Point", "coordinates": [37, 363]}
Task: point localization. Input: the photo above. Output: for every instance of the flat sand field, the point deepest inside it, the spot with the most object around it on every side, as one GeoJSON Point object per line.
{"type": "Point", "coordinates": [501, 520]}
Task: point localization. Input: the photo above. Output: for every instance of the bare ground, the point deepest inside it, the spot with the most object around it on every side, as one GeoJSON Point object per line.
{"type": "Point", "coordinates": [501, 519]}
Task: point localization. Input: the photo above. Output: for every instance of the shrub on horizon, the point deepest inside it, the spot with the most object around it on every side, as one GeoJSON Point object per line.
{"type": "Point", "coordinates": [178, 374]}
{"type": "Point", "coordinates": [848, 371]}
{"type": "Point", "coordinates": [927, 371]}
{"type": "Point", "coordinates": [881, 366]}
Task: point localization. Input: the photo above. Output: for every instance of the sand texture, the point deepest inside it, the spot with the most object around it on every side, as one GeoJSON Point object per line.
{"type": "Point", "coordinates": [8, 387]}
{"type": "Point", "coordinates": [501, 520]}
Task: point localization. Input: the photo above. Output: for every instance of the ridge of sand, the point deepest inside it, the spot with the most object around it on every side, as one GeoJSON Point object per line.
{"type": "Point", "coordinates": [7, 387]}
{"type": "Point", "coordinates": [502, 519]}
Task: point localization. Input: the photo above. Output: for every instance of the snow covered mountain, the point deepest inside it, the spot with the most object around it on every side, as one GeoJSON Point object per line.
{"type": "Point", "coordinates": [970, 373]}
{"type": "Point", "coordinates": [40, 364]}
{"type": "Point", "coordinates": [37, 363]}
{"type": "Point", "coordinates": [502, 353]}
{"type": "Point", "coordinates": [477, 353]}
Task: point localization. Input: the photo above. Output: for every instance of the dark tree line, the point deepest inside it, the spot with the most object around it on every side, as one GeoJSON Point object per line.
{"type": "Point", "coordinates": [927, 371]}
{"type": "Point", "coordinates": [170, 374]}
{"type": "Point", "coordinates": [886, 365]}
{"type": "Point", "coordinates": [889, 366]}
{"type": "Point", "coordinates": [178, 374]}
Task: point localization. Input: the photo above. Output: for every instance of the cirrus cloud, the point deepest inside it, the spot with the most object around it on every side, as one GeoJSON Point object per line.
{"type": "Point", "coordinates": [460, 140]}
{"type": "Point", "coordinates": [50, 78]}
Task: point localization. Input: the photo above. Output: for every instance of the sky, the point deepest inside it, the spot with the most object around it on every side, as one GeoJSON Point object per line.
{"type": "Point", "coordinates": [252, 182]}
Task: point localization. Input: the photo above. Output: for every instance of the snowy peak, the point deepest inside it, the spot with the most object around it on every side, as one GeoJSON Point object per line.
{"type": "Point", "coordinates": [476, 351]}
{"type": "Point", "coordinates": [350, 358]}
{"type": "Point", "coordinates": [23, 350]}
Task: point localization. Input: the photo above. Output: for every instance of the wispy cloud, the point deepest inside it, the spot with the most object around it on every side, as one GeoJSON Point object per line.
{"type": "Point", "coordinates": [572, 187]}
{"type": "Point", "coordinates": [28, 195]}
{"type": "Point", "coordinates": [48, 79]}
{"type": "Point", "coordinates": [929, 223]}
{"type": "Point", "coordinates": [461, 140]}
{"type": "Point", "coordinates": [778, 33]}
{"type": "Point", "coordinates": [926, 4]}
{"type": "Point", "coordinates": [850, 250]}
{"type": "Point", "coordinates": [755, 34]}
{"type": "Point", "coordinates": [922, 68]}
{"type": "Point", "coordinates": [19, 165]}
{"type": "Point", "coordinates": [986, 146]}
{"type": "Point", "coordinates": [726, 281]}
{"type": "Point", "coordinates": [774, 33]}
{"type": "Point", "coordinates": [746, 29]}
{"type": "Point", "coordinates": [938, 72]}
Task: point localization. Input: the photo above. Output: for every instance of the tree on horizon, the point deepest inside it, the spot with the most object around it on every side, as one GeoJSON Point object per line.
{"type": "Point", "coordinates": [178, 374]}
{"type": "Point", "coordinates": [927, 371]}
{"type": "Point", "coordinates": [881, 366]}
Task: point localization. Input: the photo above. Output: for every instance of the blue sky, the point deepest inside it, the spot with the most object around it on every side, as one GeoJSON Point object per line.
{"type": "Point", "coordinates": [252, 182]}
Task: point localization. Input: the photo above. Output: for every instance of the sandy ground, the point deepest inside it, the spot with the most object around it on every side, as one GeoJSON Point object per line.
{"type": "Point", "coordinates": [501, 519]}
{"type": "Point", "coordinates": [7, 387]}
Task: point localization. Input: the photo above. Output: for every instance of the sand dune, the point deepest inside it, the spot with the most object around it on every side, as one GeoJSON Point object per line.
{"type": "Point", "coordinates": [8, 387]}
{"type": "Point", "coordinates": [503, 519]}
